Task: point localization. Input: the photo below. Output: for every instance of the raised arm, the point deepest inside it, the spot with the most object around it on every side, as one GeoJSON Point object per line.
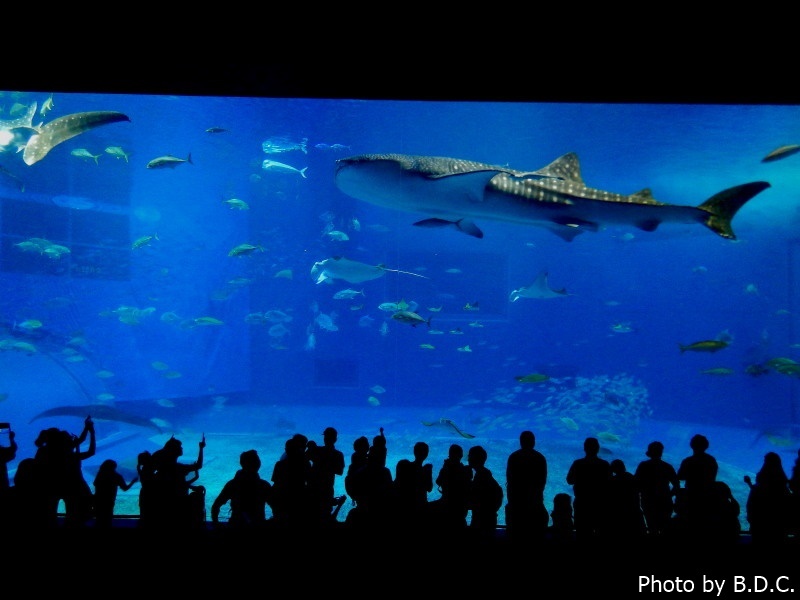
{"type": "Point", "coordinates": [88, 428]}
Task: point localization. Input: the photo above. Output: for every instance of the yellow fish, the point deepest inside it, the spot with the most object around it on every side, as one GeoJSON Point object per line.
{"type": "Point", "coordinates": [84, 153]}
{"type": "Point", "coordinates": [704, 346]}
{"type": "Point", "coordinates": [144, 241]}
{"type": "Point", "coordinates": [117, 152]}
{"type": "Point", "coordinates": [718, 371]}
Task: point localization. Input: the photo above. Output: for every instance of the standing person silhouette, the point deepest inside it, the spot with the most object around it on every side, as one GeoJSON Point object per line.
{"type": "Point", "coordinates": [106, 483]}
{"type": "Point", "coordinates": [327, 462]}
{"type": "Point", "coordinates": [589, 477]}
{"type": "Point", "coordinates": [413, 481]}
{"type": "Point", "coordinates": [658, 485]}
{"type": "Point", "coordinates": [248, 494]}
{"type": "Point", "coordinates": [526, 477]}
{"type": "Point", "coordinates": [768, 503]}
{"type": "Point", "coordinates": [698, 472]}
{"type": "Point", "coordinates": [7, 454]}
{"type": "Point", "coordinates": [454, 478]}
{"type": "Point", "coordinates": [168, 501]}
{"type": "Point", "coordinates": [485, 497]}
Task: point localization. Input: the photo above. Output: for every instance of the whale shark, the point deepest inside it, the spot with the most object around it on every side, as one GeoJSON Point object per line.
{"type": "Point", "coordinates": [36, 141]}
{"type": "Point", "coordinates": [539, 290]}
{"type": "Point", "coordinates": [453, 192]}
{"type": "Point", "coordinates": [99, 412]}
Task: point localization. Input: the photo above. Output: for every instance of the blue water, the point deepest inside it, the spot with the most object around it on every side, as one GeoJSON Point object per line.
{"type": "Point", "coordinates": [610, 347]}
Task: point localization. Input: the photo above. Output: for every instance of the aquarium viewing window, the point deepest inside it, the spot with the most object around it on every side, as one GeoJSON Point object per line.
{"type": "Point", "coordinates": [455, 272]}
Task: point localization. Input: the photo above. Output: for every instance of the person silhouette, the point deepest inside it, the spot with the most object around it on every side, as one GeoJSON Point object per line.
{"type": "Point", "coordinates": [7, 454]}
{"type": "Point", "coordinates": [248, 495]}
{"type": "Point", "coordinates": [768, 502]}
{"type": "Point", "coordinates": [107, 482]}
{"type": "Point", "coordinates": [589, 477]}
{"type": "Point", "coordinates": [698, 472]}
{"type": "Point", "coordinates": [327, 462]}
{"type": "Point", "coordinates": [168, 497]}
{"type": "Point", "coordinates": [625, 519]}
{"type": "Point", "coordinates": [485, 497]}
{"type": "Point", "coordinates": [562, 529]}
{"type": "Point", "coordinates": [450, 511]}
{"type": "Point", "coordinates": [658, 484]}
{"type": "Point", "coordinates": [526, 477]}
{"type": "Point", "coordinates": [291, 504]}
{"type": "Point", "coordinates": [413, 480]}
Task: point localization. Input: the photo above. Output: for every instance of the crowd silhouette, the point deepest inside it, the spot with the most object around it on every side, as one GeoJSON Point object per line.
{"type": "Point", "coordinates": [610, 504]}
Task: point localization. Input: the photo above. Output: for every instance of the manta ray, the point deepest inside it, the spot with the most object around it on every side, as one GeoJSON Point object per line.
{"type": "Point", "coordinates": [538, 290]}
{"type": "Point", "coordinates": [350, 270]}
{"type": "Point", "coordinates": [453, 192]}
{"type": "Point", "coordinates": [99, 412]}
{"type": "Point", "coordinates": [37, 141]}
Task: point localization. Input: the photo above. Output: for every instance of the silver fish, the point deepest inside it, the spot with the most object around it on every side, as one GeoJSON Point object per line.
{"type": "Point", "coordinates": [278, 167]}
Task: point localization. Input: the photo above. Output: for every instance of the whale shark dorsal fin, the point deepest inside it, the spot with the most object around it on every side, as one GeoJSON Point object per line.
{"type": "Point", "coordinates": [566, 167]}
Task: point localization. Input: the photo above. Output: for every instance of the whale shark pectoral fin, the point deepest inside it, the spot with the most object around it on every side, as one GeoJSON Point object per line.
{"type": "Point", "coordinates": [463, 225]}
{"type": "Point", "coordinates": [64, 128]}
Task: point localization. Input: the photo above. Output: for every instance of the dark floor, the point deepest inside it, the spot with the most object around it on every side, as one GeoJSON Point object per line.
{"type": "Point", "coordinates": [423, 564]}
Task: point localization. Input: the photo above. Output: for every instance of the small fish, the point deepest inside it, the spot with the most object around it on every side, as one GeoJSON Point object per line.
{"type": "Point", "coordinates": [435, 308]}
{"type": "Point", "coordinates": [347, 294]}
{"type": "Point", "coordinates": [532, 378]}
{"type": "Point", "coordinates": [216, 130]}
{"type": "Point", "coordinates": [781, 152]}
{"type": "Point", "coordinates": [84, 153]}
{"type": "Point", "coordinates": [29, 324]}
{"type": "Point", "coordinates": [169, 161]}
{"type": "Point", "coordinates": [105, 374]}
{"type": "Point", "coordinates": [235, 203]}
{"type": "Point", "coordinates": [427, 346]}
{"type": "Point", "coordinates": [159, 366]}
{"type": "Point", "coordinates": [378, 389]}
{"type": "Point", "coordinates": [718, 371]}
{"type": "Point", "coordinates": [471, 306]}
{"type": "Point", "coordinates": [144, 241]}
{"type": "Point", "coordinates": [332, 147]}
{"type": "Point", "coordinates": [244, 250]}
{"type": "Point", "coordinates": [704, 346]}
{"type": "Point", "coordinates": [373, 401]}
{"type": "Point", "coordinates": [607, 436]}
{"type": "Point", "coordinates": [476, 324]}
{"type": "Point", "coordinates": [278, 144]}
{"type": "Point", "coordinates": [449, 424]}
{"type": "Point", "coordinates": [117, 152]}
{"type": "Point", "coordinates": [172, 374]}
{"type": "Point", "coordinates": [412, 318]}
{"type": "Point", "coordinates": [622, 327]}
{"type": "Point", "coordinates": [464, 348]}
{"type": "Point", "coordinates": [569, 423]}
{"type": "Point", "coordinates": [207, 321]}
{"type": "Point", "coordinates": [338, 236]}
{"type": "Point", "coordinates": [284, 274]}
{"type": "Point", "coordinates": [47, 106]}
{"type": "Point", "coordinates": [277, 167]}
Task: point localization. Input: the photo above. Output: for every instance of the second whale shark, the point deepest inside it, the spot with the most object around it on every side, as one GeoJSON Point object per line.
{"type": "Point", "coordinates": [453, 192]}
